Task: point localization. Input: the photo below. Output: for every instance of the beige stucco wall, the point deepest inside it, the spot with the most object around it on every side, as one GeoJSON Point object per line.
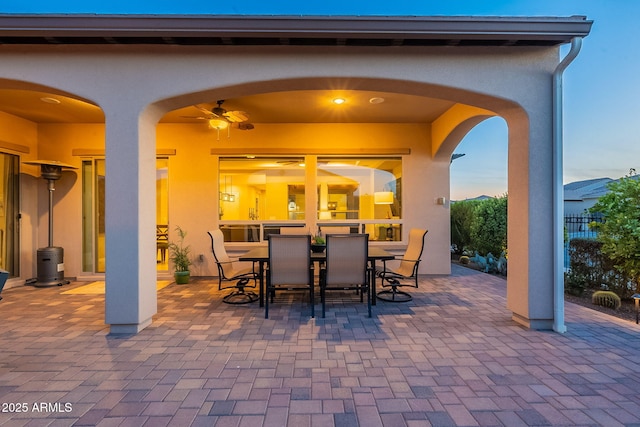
{"type": "Point", "coordinates": [193, 178]}
{"type": "Point", "coordinates": [135, 86]}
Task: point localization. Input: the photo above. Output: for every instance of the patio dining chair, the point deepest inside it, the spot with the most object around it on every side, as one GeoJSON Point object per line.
{"type": "Point", "coordinates": [233, 274]}
{"type": "Point", "coordinates": [346, 267]}
{"type": "Point", "coordinates": [162, 241]}
{"type": "Point", "coordinates": [289, 268]}
{"type": "Point", "coordinates": [406, 270]}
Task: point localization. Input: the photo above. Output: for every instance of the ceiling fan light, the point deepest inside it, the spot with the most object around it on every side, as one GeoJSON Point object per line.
{"type": "Point", "coordinates": [218, 124]}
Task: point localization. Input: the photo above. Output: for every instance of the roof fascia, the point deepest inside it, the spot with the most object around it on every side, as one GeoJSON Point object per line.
{"type": "Point", "coordinates": [557, 29]}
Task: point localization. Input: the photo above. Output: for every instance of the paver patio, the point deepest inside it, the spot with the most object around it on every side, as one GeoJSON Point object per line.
{"type": "Point", "coordinates": [451, 357]}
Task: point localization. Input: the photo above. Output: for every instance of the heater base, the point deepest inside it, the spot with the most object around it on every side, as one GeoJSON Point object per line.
{"type": "Point", "coordinates": [38, 284]}
{"type": "Point", "coordinates": [50, 268]}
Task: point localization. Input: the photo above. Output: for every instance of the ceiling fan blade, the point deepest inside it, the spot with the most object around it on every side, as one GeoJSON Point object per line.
{"type": "Point", "coordinates": [205, 110]}
{"type": "Point", "coordinates": [236, 116]}
{"type": "Point", "coordinates": [197, 117]}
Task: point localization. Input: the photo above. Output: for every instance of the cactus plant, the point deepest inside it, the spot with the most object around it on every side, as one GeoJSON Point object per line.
{"type": "Point", "coordinates": [606, 299]}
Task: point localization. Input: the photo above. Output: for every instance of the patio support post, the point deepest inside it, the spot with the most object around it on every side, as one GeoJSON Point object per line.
{"type": "Point", "coordinates": [131, 296]}
{"type": "Point", "coordinates": [530, 240]}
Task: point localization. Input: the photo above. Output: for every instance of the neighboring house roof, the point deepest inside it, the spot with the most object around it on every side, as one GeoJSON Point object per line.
{"type": "Point", "coordinates": [291, 30]}
{"type": "Point", "coordinates": [579, 190]}
{"type": "Point", "coordinates": [588, 189]}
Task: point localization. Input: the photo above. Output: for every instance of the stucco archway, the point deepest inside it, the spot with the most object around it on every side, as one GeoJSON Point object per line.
{"type": "Point", "coordinates": [446, 131]}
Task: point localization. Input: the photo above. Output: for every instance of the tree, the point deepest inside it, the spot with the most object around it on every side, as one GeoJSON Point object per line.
{"type": "Point", "coordinates": [489, 227]}
{"type": "Point", "coordinates": [620, 231]}
{"type": "Point", "coordinates": [462, 214]}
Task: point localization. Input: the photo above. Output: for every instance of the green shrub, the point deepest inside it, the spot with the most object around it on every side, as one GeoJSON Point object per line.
{"type": "Point", "coordinates": [574, 284]}
{"type": "Point", "coordinates": [590, 268]}
{"type": "Point", "coordinates": [606, 299]}
{"type": "Point", "coordinates": [462, 214]}
{"type": "Point", "coordinates": [620, 232]}
{"type": "Point", "coordinates": [489, 227]}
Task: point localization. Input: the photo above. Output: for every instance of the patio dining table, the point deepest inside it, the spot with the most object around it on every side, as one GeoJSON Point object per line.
{"type": "Point", "coordinates": [261, 256]}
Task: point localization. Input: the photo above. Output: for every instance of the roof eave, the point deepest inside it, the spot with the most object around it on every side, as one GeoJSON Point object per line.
{"type": "Point", "coordinates": [550, 30]}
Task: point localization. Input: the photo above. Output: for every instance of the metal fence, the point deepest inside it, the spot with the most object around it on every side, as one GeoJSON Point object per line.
{"type": "Point", "coordinates": [577, 227]}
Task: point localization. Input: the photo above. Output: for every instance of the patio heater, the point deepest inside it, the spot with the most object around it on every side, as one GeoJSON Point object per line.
{"type": "Point", "coordinates": [50, 267]}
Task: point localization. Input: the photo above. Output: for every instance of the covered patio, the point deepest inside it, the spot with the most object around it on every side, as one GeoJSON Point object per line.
{"type": "Point", "coordinates": [133, 91]}
{"type": "Point", "coordinates": [452, 356]}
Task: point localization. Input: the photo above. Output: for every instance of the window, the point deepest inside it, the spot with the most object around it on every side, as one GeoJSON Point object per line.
{"type": "Point", "coordinates": [262, 188]}
{"type": "Point", "coordinates": [364, 189]}
{"type": "Point", "coordinates": [259, 196]}
{"type": "Point", "coordinates": [359, 188]}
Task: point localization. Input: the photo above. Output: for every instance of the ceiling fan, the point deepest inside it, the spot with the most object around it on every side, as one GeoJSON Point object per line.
{"type": "Point", "coordinates": [219, 118]}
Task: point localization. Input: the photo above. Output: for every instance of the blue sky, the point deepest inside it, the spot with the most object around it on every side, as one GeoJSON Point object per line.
{"type": "Point", "coordinates": [601, 87]}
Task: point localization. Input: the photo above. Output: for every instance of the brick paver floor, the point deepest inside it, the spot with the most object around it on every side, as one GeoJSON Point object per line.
{"type": "Point", "coordinates": [450, 357]}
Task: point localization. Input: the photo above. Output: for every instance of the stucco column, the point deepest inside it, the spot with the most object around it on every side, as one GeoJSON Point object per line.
{"type": "Point", "coordinates": [131, 298]}
{"type": "Point", "coordinates": [529, 228]}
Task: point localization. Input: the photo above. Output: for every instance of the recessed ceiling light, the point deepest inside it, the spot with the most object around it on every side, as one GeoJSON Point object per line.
{"type": "Point", "coordinates": [50, 100]}
{"type": "Point", "coordinates": [376, 100]}
{"type": "Point", "coordinates": [339, 101]}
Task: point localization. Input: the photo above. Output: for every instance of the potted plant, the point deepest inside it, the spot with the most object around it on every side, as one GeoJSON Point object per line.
{"type": "Point", "coordinates": [318, 243]}
{"type": "Point", "coordinates": [179, 256]}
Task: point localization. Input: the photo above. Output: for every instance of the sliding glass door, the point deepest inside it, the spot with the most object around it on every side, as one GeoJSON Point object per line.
{"type": "Point", "coordinates": [93, 212]}
{"type": "Point", "coordinates": [9, 213]}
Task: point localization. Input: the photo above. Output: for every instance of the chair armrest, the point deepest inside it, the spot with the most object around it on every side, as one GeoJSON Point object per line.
{"type": "Point", "coordinates": [224, 263]}
{"type": "Point", "coordinates": [408, 260]}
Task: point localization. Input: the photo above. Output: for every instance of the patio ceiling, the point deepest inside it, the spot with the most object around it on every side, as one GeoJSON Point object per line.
{"type": "Point", "coordinates": [306, 106]}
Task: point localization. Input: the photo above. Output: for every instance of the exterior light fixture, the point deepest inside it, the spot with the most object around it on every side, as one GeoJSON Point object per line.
{"type": "Point", "coordinates": [636, 299]}
{"type": "Point", "coordinates": [456, 156]}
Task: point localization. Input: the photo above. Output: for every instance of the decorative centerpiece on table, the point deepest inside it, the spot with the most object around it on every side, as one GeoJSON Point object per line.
{"type": "Point", "coordinates": [318, 244]}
